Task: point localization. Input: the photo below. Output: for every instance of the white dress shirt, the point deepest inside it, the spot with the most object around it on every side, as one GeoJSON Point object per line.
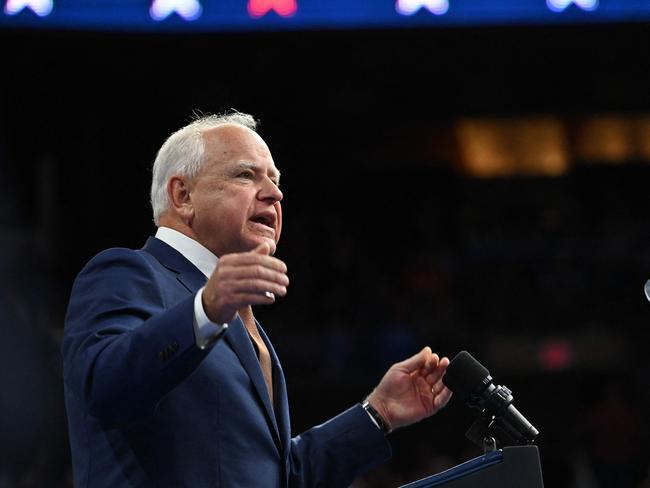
{"type": "Point", "coordinates": [205, 331]}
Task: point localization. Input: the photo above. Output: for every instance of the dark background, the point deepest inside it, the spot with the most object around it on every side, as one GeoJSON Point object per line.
{"type": "Point", "coordinates": [388, 248]}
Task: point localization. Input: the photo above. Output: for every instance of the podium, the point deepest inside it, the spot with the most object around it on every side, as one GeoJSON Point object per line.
{"type": "Point", "coordinates": [510, 467]}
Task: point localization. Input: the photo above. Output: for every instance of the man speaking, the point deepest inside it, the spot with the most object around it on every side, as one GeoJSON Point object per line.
{"type": "Point", "coordinates": [170, 381]}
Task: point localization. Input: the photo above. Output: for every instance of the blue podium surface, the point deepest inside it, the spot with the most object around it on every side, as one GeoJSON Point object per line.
{"type": "Point", "coordinates": [460, 471]}
{"type": "Point", "coordinates": [512, 467]}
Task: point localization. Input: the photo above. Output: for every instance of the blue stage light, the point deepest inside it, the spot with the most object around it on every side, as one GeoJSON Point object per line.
{"type": "Point", "coordinates": [41, 8]}
{"type": "Point", "coordinates": [186, 9]}
{"type": "Point", "coordinates": [410, 7]}
{"type": "Point", "coordinates": [561, 5]}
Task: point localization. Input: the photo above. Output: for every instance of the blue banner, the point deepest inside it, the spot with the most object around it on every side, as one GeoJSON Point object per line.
{"type": "Point", "coordinates": [236, 15]}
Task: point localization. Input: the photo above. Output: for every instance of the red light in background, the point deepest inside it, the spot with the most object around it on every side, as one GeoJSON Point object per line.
{"type": "Point", "coordinates": [555, 355]}
{"type": "Point", "coordinates": [259, 8]}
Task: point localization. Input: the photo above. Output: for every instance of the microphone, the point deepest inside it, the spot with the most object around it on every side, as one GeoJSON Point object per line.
{"type": "Point", "coordinates": [471, 381]}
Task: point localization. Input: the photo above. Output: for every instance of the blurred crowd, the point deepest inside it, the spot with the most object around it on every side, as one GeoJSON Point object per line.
{"type": "Point", "coordinates": [402, 258]}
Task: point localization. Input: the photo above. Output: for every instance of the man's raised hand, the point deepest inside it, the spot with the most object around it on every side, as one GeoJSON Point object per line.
{"type": "Point", "coordinates": [412, 389]}
{"type": "Point", "coordinates": [243, 279]}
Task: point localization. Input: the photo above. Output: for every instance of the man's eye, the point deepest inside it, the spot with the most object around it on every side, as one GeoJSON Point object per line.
{"type": "Point", "coordinates": [246, 174]}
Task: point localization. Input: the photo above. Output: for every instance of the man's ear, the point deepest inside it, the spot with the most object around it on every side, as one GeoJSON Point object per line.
{"type": "Point", "coordinates": [178, 191]}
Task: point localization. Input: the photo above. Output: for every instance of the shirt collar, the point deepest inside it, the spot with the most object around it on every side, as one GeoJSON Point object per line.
{"type": "Point", "coordinates": [194, 252]}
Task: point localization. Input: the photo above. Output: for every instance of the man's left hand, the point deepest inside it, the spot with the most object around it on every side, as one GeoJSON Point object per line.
{"type": "Point", "coordinates": [412, 389]}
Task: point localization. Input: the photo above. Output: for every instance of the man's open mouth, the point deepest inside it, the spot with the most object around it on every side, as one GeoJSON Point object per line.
{"type": "Point", "coordinates": [264, 219]}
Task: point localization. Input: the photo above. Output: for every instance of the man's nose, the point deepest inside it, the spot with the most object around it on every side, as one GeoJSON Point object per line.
{"type": "Point", "coordinates": [270, 191]}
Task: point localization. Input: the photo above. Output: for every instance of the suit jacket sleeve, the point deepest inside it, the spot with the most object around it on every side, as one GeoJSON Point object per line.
{"type": "Point", "coordinates": [334, 453]}
{"type": "Point", "coordinates": [125, 346]}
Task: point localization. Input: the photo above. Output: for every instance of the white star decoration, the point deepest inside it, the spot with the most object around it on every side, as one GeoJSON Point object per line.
{"type": "Point", "coordinates": [410, 7]}
{"type": "Point", "coordinates": [39, 7]}
{"type": "Point", "coordinates": [560, 5]}
{"type": "Point", "coordinates": [187, 9]}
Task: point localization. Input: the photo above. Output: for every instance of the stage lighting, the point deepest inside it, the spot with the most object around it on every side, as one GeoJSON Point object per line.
{"type": "Point", "coordinates": [39, 7]}
{"type": "Point", "coordinates": [186, 9]}
{"type": "Point", "coordinates": [284, 8]}
{"type": "Point", "coordinates": [410, 7]}
{"type": "Point", "coordinates": [561, 5]}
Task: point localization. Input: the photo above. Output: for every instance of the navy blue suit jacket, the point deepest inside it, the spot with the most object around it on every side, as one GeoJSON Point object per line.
{"type": "Point", "coordinates": [147, 407]}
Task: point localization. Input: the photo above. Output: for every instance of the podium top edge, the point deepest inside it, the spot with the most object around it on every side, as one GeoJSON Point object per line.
{"type": "Point", "coordinates": [464, 469]}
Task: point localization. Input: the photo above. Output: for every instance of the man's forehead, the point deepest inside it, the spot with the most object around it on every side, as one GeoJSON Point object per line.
{"type": "Point", "coordinates": [231, 136]}
{"type": "Point", "coordinates": [232, 145]}
{"type": "Point", "coordinates": [229, 129]}
{"type": "Point", "coordinates": [234, 142]}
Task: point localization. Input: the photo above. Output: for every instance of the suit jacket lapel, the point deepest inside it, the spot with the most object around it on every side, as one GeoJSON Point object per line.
{"type": "Point", "coordinates": [236, 335]}
{"type": "Point", "coordinates": [279, 393]}
{"type": "Point", "coordinates": [188, 274]}
{"type": "Point", "coordinates": [237, 338]}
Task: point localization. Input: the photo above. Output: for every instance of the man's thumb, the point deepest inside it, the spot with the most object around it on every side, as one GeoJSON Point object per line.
{"type": "Point", "coordinates": [263, 248]}
{"type": "Point", "coordinates": [417, 361]}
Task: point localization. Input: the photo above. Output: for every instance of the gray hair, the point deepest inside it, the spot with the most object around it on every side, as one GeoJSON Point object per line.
{"type": "Point", "coordinates": [182, 154]}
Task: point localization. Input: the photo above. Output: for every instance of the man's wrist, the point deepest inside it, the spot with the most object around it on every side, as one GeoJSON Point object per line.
{"type": "Point", "coordinates": [206, 332]}
{"type": "Point", "coordinates": [376, 417]}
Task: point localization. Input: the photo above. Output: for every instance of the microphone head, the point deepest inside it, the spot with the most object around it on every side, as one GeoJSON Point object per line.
{"type": "Point", "coordinates": [465, 375]}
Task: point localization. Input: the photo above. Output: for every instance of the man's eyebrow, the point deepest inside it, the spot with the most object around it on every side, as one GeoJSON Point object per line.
{"type": "Point", "coordinates": [239, 165]}
{"type": "Point", "coordinates": [246, 165]}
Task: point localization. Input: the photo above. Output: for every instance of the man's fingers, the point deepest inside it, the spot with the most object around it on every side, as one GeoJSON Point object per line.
{"type": "Point", "coordinates": [431, 364]}
{"type": "Point", "coordinates": [437, 388]}
{"type": "Point", "coordinates": [242, 279]}
{"type": "Point", "coordinates": [416, 361]}
{"type": "Point", "coordinates": [435, 375]}
{"type": "Point", "coordinates": [255, 272]}
{"type": "Point", "coordinates": [442, 398]}
{"type": "Point", "coordinates": [245, 299]}
{"type": "Point", "coordinates": [263, 248]}
{"type": "Point", "coordinates": [253, 258]}
{"type": "Point", "coordinates": [258, 287]}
